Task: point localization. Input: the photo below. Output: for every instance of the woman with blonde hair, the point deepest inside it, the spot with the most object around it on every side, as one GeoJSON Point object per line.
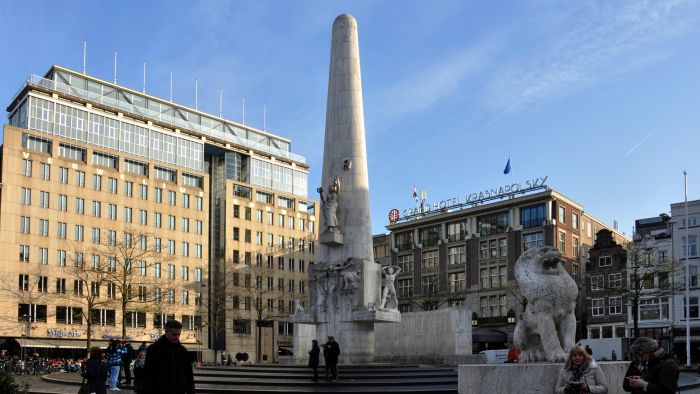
{"type": "Point", "coordinates": [581, 374]}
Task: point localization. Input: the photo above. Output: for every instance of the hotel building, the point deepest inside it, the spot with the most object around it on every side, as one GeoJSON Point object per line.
{"type": "Point", "coordinates": [210, 219]}
{"type": "Point", "coordinates": [464, 254]}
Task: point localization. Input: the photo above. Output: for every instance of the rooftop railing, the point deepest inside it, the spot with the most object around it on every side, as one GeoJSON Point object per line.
{"type": "Point", "coordinates": [172, 120]}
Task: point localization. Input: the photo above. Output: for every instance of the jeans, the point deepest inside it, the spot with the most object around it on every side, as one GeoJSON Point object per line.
{"type": "Point", "coordinates": [113, 376]}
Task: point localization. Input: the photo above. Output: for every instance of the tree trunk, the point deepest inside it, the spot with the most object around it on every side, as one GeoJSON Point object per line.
{"type": "Point", "coordinates": [635, 318]}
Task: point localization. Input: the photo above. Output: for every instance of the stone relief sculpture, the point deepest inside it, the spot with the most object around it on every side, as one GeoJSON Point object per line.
{"type": "Point", "coordinates": [547, 328]}
{"type": "Point", "coordinates": [330, 205]}
{"type": "Point", "coordinates": [389, 292]}
{"type": "Point", "coordinates": [337, 279]}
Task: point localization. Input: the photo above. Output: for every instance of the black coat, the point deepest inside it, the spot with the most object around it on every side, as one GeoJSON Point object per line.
{"type": "Point", "coordinates": [661, 373]}
{"type": "Point", "coordinates": [128, 356]}
{"type": "Point", "coordinates": [168, 369]}
{"type": "Point", "coordinates": [314, 356]}
{"type": "Point", "coordinates": [331, 351]}
{"type": "Point", "coordinates": [96, 374]}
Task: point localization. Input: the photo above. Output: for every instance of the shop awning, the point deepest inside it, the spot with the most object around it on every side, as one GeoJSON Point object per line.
{"type": "Point", "coordinates": [59, 343]}
{"type": "Point", "coordinates": [681, 338]}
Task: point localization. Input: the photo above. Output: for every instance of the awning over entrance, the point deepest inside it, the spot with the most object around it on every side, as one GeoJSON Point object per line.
{"type": "Point", "coordinates": [681, 338]}
{"type": "Point", "coordinates": [59, 343]}
{"type": "Point", "coordinates": [484, 335]}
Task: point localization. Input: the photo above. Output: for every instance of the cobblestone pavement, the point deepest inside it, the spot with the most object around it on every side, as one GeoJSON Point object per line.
{"type": "Point", "coordinates": [37, 385]}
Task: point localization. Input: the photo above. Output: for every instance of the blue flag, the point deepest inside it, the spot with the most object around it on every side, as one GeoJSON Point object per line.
{"type": "Point", "coordinates": [507, 169]}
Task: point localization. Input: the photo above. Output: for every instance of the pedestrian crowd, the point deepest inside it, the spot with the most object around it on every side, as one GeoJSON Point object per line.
{"type": "Point", "coordinates": [33, 364]}
{"type": "Point", "coordinates": [162, 367]}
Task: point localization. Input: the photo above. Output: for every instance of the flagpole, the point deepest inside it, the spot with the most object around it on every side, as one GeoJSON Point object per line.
{"type": "Point", "coordinates": [687, 275]}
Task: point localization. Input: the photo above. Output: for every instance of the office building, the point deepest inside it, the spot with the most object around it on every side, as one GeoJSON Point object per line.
{"type": "Point", "coordinates": [199, 212]}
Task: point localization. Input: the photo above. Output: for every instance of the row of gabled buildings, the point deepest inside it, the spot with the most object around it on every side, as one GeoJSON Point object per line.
{"type": "Point", "coordinates": [640, 288]}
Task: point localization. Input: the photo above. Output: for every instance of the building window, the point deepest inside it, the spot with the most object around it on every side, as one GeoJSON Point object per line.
{"type": "Point", "coordinates": [605, 260]}
{"type": "Point", "coordinates": [456, 255]}
{"type": "Point", "coordinates": [430, 284]}
{"type": "Point", "coordinates": [26, 167]}
{"type": "Point", "coordinates": [24, 253]}
{"type": "Point", "coordinates": [575, 247]}
{"type": "Point", "coordinates": [45, 173]}
{"type": "Point", "coordinates": [430, 260]}
{"type": "Point", "coordinates": [496, 223]}
{"type": "Point", "coordinates": [574, 221]}
{"type": "Point", "coordinates": [615, 305]}
{"type": "Point", "coordinates": [597, 282]}
{"type": "Point", "coordinates": [456, 282]}
{"type": "Point", "coordinates": [241, 327]}
{"type": "Point", "coordinates": [532, 216]}
{"type": "Point", "coordinates": [562, 215]}
{"type": "Point", "coordinates": [615, 280]}
{"type": "Point", "coordinates": [694, 308]}
{"type": "Point", "coordinates": [597, 306]}
{"type": "Point", "coordinates": [404, 241]}
{"type": "Point", "coordinates": [690, 248]}
{"type": "Point", "coordinates": [562, 242]}
{"type": "Point", "coordinates": [63, 175]}
{"type": "Point", "coordinates": [405, 289]}
{"type": "Point", "coordinates": [654, 309]}
{"type": "Point", "coordinates": [532, 240]}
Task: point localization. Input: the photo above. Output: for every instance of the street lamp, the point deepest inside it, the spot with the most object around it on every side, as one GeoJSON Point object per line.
{"type": "Point", "coordinates": [475, 319]}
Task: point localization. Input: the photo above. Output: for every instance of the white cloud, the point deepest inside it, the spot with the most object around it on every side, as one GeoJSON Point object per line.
{"type": "Point", "coordinates": [600, 42]}
{"type": "Point", "coordinates": [425, 86]}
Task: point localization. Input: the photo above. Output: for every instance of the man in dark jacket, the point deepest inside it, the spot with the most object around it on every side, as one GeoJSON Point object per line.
{"type": "Point", "coordinates": [127, 358]}
{"type": "Point", "coordinates": [168, 367]}
{"type": "Point", "coordinates": [331, 351]}
{"type": "Point", "coordinates": [661, 373]}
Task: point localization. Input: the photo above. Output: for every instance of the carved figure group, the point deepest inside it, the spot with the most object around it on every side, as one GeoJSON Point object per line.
{"type": "Point", "coordinates": [548, 325]}
{"type": "Point", "coordinates": [337, 279]}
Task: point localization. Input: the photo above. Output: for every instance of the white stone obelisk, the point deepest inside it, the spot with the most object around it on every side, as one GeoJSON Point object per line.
{"type": "Point", "coordinates": [345, 282]}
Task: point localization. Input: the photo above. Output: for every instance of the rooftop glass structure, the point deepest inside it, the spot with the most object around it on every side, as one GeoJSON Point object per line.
{"type": "Point", "coordinates": [72, 83]}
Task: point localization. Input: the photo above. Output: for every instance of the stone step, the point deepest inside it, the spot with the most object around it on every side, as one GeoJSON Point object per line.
{"type": "Point", "coordinates": [293, 369]}
{"type": "Point", "coordinates": [274, 381]}
{"type": "Point", "coordinates": [345, 372]}
{"type": "Point", "coordinates": [325, 388]}
{"type": "Point", "coordinates": [348, 374]}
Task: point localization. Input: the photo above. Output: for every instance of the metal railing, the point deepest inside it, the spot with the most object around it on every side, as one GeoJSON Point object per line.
{"type": "Point", "coordinates": [53, 85]}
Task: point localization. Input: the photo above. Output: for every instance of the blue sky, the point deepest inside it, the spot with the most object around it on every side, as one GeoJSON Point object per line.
{"type": "Point", "coordinates": [601, 97]}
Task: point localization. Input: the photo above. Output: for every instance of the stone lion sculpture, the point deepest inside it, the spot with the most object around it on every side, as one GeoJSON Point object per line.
{"type": "Point", "coordinates": [547, 328]}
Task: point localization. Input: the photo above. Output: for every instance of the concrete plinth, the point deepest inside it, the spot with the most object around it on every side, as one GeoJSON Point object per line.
{"type": "Point", "coordinates": [527, 378]}
{"type": "Point", "coordinates": [303, 335]}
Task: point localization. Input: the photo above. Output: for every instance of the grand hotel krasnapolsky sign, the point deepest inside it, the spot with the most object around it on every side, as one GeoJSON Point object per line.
{"type": "Point", "coordinates": [476, 198]}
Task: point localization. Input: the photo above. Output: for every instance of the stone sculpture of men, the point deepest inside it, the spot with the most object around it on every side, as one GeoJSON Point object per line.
{"type": "Point", "coordinates": [389, 293]}
{"type": "Point", "coordinates": [330, 204]}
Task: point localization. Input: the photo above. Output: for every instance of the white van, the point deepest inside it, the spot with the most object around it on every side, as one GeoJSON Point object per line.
{"type": "Point", "coordinates": [498, 356]}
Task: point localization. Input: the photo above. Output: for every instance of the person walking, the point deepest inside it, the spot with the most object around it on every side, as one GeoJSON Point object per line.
{"type": "Point", "coordinates": [139, 371]}
{"type": "Point", "coordinates": [581, 374]}
{"type": "Point", "coordinates": [314, 358]}
{"type": "Point", "coordinates": [660, 374]}
{"type": "Point", "coordinates": [127, 358]}
{"type": "Point", "coordinates": [96, 372]}
{"type": "Point", "coordinates": [114, 361]}
{"type": "Point", "coordinates": [331, 351]}
{"type": "Point", "coordinates": [168, 366]}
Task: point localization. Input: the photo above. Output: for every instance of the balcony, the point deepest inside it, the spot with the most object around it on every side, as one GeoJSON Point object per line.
{"type": "Point", "coordinates": [404, 246]}
{"type": "Point", "coordinates": [456, 237]}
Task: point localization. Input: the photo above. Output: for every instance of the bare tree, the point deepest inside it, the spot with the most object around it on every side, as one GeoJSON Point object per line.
{"type": "Point", "coordinates": [433, 296]}
{"type": "Point", "coordinates": [88, 290]}
{"type": "Point", "coordinates": [253, 284]}
{"type": "Point", "coordinates": [651, 275]}
{"type": "Point", "coordinates": [31, 293]}
{"type": "Point", "coordinates": [128, 261]}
